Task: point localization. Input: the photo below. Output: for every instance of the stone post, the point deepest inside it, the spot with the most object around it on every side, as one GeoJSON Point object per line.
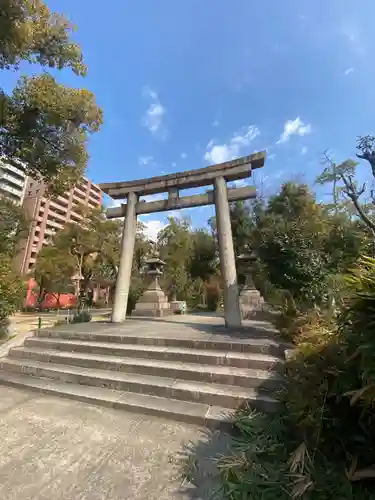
{"type": "Point", "coordinates": [227, 261]}
{"type": "Point", "coordinates": [251, 300]}
{"type": "Point", "coordinates": [126, 260]}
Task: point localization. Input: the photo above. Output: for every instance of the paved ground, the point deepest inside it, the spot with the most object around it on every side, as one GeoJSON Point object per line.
{"type": "Point", "coordinates": [24, 322]}
{"type": "Point", "coordinates": [187, 326]}
{"type": "Point", "coordinates": [66, 450]}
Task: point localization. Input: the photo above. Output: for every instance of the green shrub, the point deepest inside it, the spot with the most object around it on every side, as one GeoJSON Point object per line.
{"type": "Point", "coordinates": [100, 304]}
{"type": "Point", "coordinates": [212, 297]}
{"type": "Point", "coordinates": [201, 307]}
{"type": "Point", "coordinates": [82, 317]}
{"type": "Point", "coordinates": [256, 468]}
{"type": "Point", "coordinates": [268, 462]}
{"type": "Point", "coordinates": [193, 299]}
{"type": "Point", "coordinates": [12, 288]}
{"type": "Point", "coordinates": [136, 290]}
{"type": "Point", "coordinates": [321, 446]}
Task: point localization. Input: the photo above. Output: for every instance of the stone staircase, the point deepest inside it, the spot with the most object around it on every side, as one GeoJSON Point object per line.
{"type": "Point", "coordinates": [199, 380]}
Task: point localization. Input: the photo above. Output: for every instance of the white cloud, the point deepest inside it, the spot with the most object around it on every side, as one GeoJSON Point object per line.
{"type": "Point", "coordinates": [304, 150]}
{"type": "Point", "coordinates": [111, 203]}
{"type": "Point", "coordinates": [215, 123]}
{"type": "Point", "coordinates": [153, 119]}
{"type": "Point", "coordinates": [174, 164]}
{"type": "Point", "coordinates": [152, 228]}
{"type": "Point", "coordinates": [348, 71]}
{"type": "Point", "coordinates": [183, 156]}
{"type": "Point", "coordinates": [145, 160]}
{"type": "Point", "coordinates": [220, 153]}
{"type": "Point", "coordinates": [241, 183]}
{"type": "Point", "coordinates": [294, 127]}
{"type": "Point", "coordinates": [354, 37]}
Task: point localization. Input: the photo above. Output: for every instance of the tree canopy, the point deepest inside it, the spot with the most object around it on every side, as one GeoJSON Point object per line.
{"type": "Point", "coordinates": [13, 225]}
{"type": "Point", "coordinates": [43, 123]}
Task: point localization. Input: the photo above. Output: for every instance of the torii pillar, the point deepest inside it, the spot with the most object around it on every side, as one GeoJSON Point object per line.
{"type": "Point", "coordinates": [221, 196]}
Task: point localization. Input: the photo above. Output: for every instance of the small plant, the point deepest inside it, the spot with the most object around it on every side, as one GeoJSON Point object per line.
{"type": "Point", "coordinates": [82, 317]}
{"type": "Point", "coordinates": [212, 297]}
{"type": "Point", "coordinates": [4, 328]}
{"type": "Point", "coordinates": [100, 304]}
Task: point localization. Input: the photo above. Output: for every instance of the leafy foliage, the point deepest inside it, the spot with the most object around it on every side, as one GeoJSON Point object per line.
{"type": "Point", "coordinates": [302, 246]}
{"type": "Point", "coordinates": [53, 272]}
{"type": "Point", "coordinates": [241, 224]}
{"type": "Point", "coordinates": [11, 288]}
{"type": "Point", "coordinates": [13, 225]}
{"type": "Point", "coordinates": [42, 123]}
{"type": "Point", "coordinates": [321, 444]}
{"type": "Point", "coordinates": [257, 466]}
{"type": "Point", "coordinates": [203, 259]}
{"type": "Point", "coordinates": [191, 260]}
{"type": "Point", "coordinates": [174, 244]}
{"type": "Point", "coordinates": [47, 126]}
{"type": "Point", "coordinates": [82, 317]}
{"type": "Point", "coordinates": [90, 245]}
{"type": "Point", "coordinates": [29, 31]}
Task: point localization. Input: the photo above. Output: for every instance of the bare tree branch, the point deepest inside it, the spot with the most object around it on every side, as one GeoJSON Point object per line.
{"type": "Point", "coordinates": [353, 193]}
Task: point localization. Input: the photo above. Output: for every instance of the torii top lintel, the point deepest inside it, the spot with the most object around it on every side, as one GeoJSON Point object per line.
{"type": "Point", "coordinates": [231, 171]}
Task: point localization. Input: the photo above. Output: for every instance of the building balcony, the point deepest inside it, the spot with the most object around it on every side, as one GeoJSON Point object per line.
{"type": "Point", "coordinates": [12, 180]}
{"type": "Point", "coordinates": [79, 201]}
{"type": "Point", "coordinates": [17, 171]}
{"type": "Point", "coordinates": [63, 201]}
{"type": "Point", "coordinates": [54, 224]}
{"type": "Point", "coordinates": [57, 215]}
{"type": "Point", "coordinates": [50, 232]}
{"type": "Point", "coordinates": [17, 193]}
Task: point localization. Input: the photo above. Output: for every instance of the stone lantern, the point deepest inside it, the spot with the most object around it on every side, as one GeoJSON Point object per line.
{"type": "Point", "coordinates": [153, 302]}
{"type": "Point", "coordinates": [250, 298]}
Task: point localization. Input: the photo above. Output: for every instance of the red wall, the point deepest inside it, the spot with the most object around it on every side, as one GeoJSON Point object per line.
{"type": "Point", "coordinates": [50, 301]}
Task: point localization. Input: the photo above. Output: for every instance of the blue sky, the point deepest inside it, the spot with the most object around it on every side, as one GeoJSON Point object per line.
{"type": "Point", "coordinates": [185, 83]}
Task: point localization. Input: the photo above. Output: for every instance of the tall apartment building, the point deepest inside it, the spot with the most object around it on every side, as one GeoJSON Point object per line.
{"type": "Point", "coordinates": [49, 216]}
{"type": "Point", "coordinates": [12, 180]}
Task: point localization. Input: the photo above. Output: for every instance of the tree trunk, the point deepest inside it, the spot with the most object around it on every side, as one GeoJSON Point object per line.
{"type": "Point", "coordinates": [41, 295]}
{"type": "Point", "coordinates": [58, 300]}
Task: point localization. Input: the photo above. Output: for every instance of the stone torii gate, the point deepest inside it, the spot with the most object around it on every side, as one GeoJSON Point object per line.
{"type": "Point", "coordinates": [218, 175]}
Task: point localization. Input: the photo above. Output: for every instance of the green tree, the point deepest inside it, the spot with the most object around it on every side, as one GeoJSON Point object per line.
{"type": "Point", "coordinates": [301, 246]}
{"type": "Point", "coordinates": [43, 123]}
{"type": "Point", "coordinates": [12, 291]}
{"type": "Point", "coordinates": [53, 272]}
{"type": "Point", "coordinates": [240, 217]}
{"type": "Point", "coordinates": [91, 243]}
{"type": "Point", "coordinates": [174, 242]}
{"type": "Point", "coordinates": [13, 225]}
{"type": "Point", "coordinates": [203, 263]}
{"type": "Point", "coordinates": [366, 150]}
{"type": "Point", "coordinates": [343, 178]}
{"type": "Point", "coordinates": [203, 258]}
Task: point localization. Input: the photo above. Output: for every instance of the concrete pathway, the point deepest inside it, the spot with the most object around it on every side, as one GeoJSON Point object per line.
{"type": "Point", "coordinates": [54, 448]}
{"type": "Point", "coordinates": [66, 450]}
{"type": "Point", "coordinates": [24, 322]}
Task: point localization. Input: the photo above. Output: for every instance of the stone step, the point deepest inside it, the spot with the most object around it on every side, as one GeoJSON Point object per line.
{"type": "Point", "coordinates": [215, 342]}
{"type": "Point", "coordinates": [196, 413]}
{"type": "Point", "coordinates": [179, 354]}
{"type": "Point", "coordinates": [210, 394]}
{"type": "Point", "coordinates": [226, 375]}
